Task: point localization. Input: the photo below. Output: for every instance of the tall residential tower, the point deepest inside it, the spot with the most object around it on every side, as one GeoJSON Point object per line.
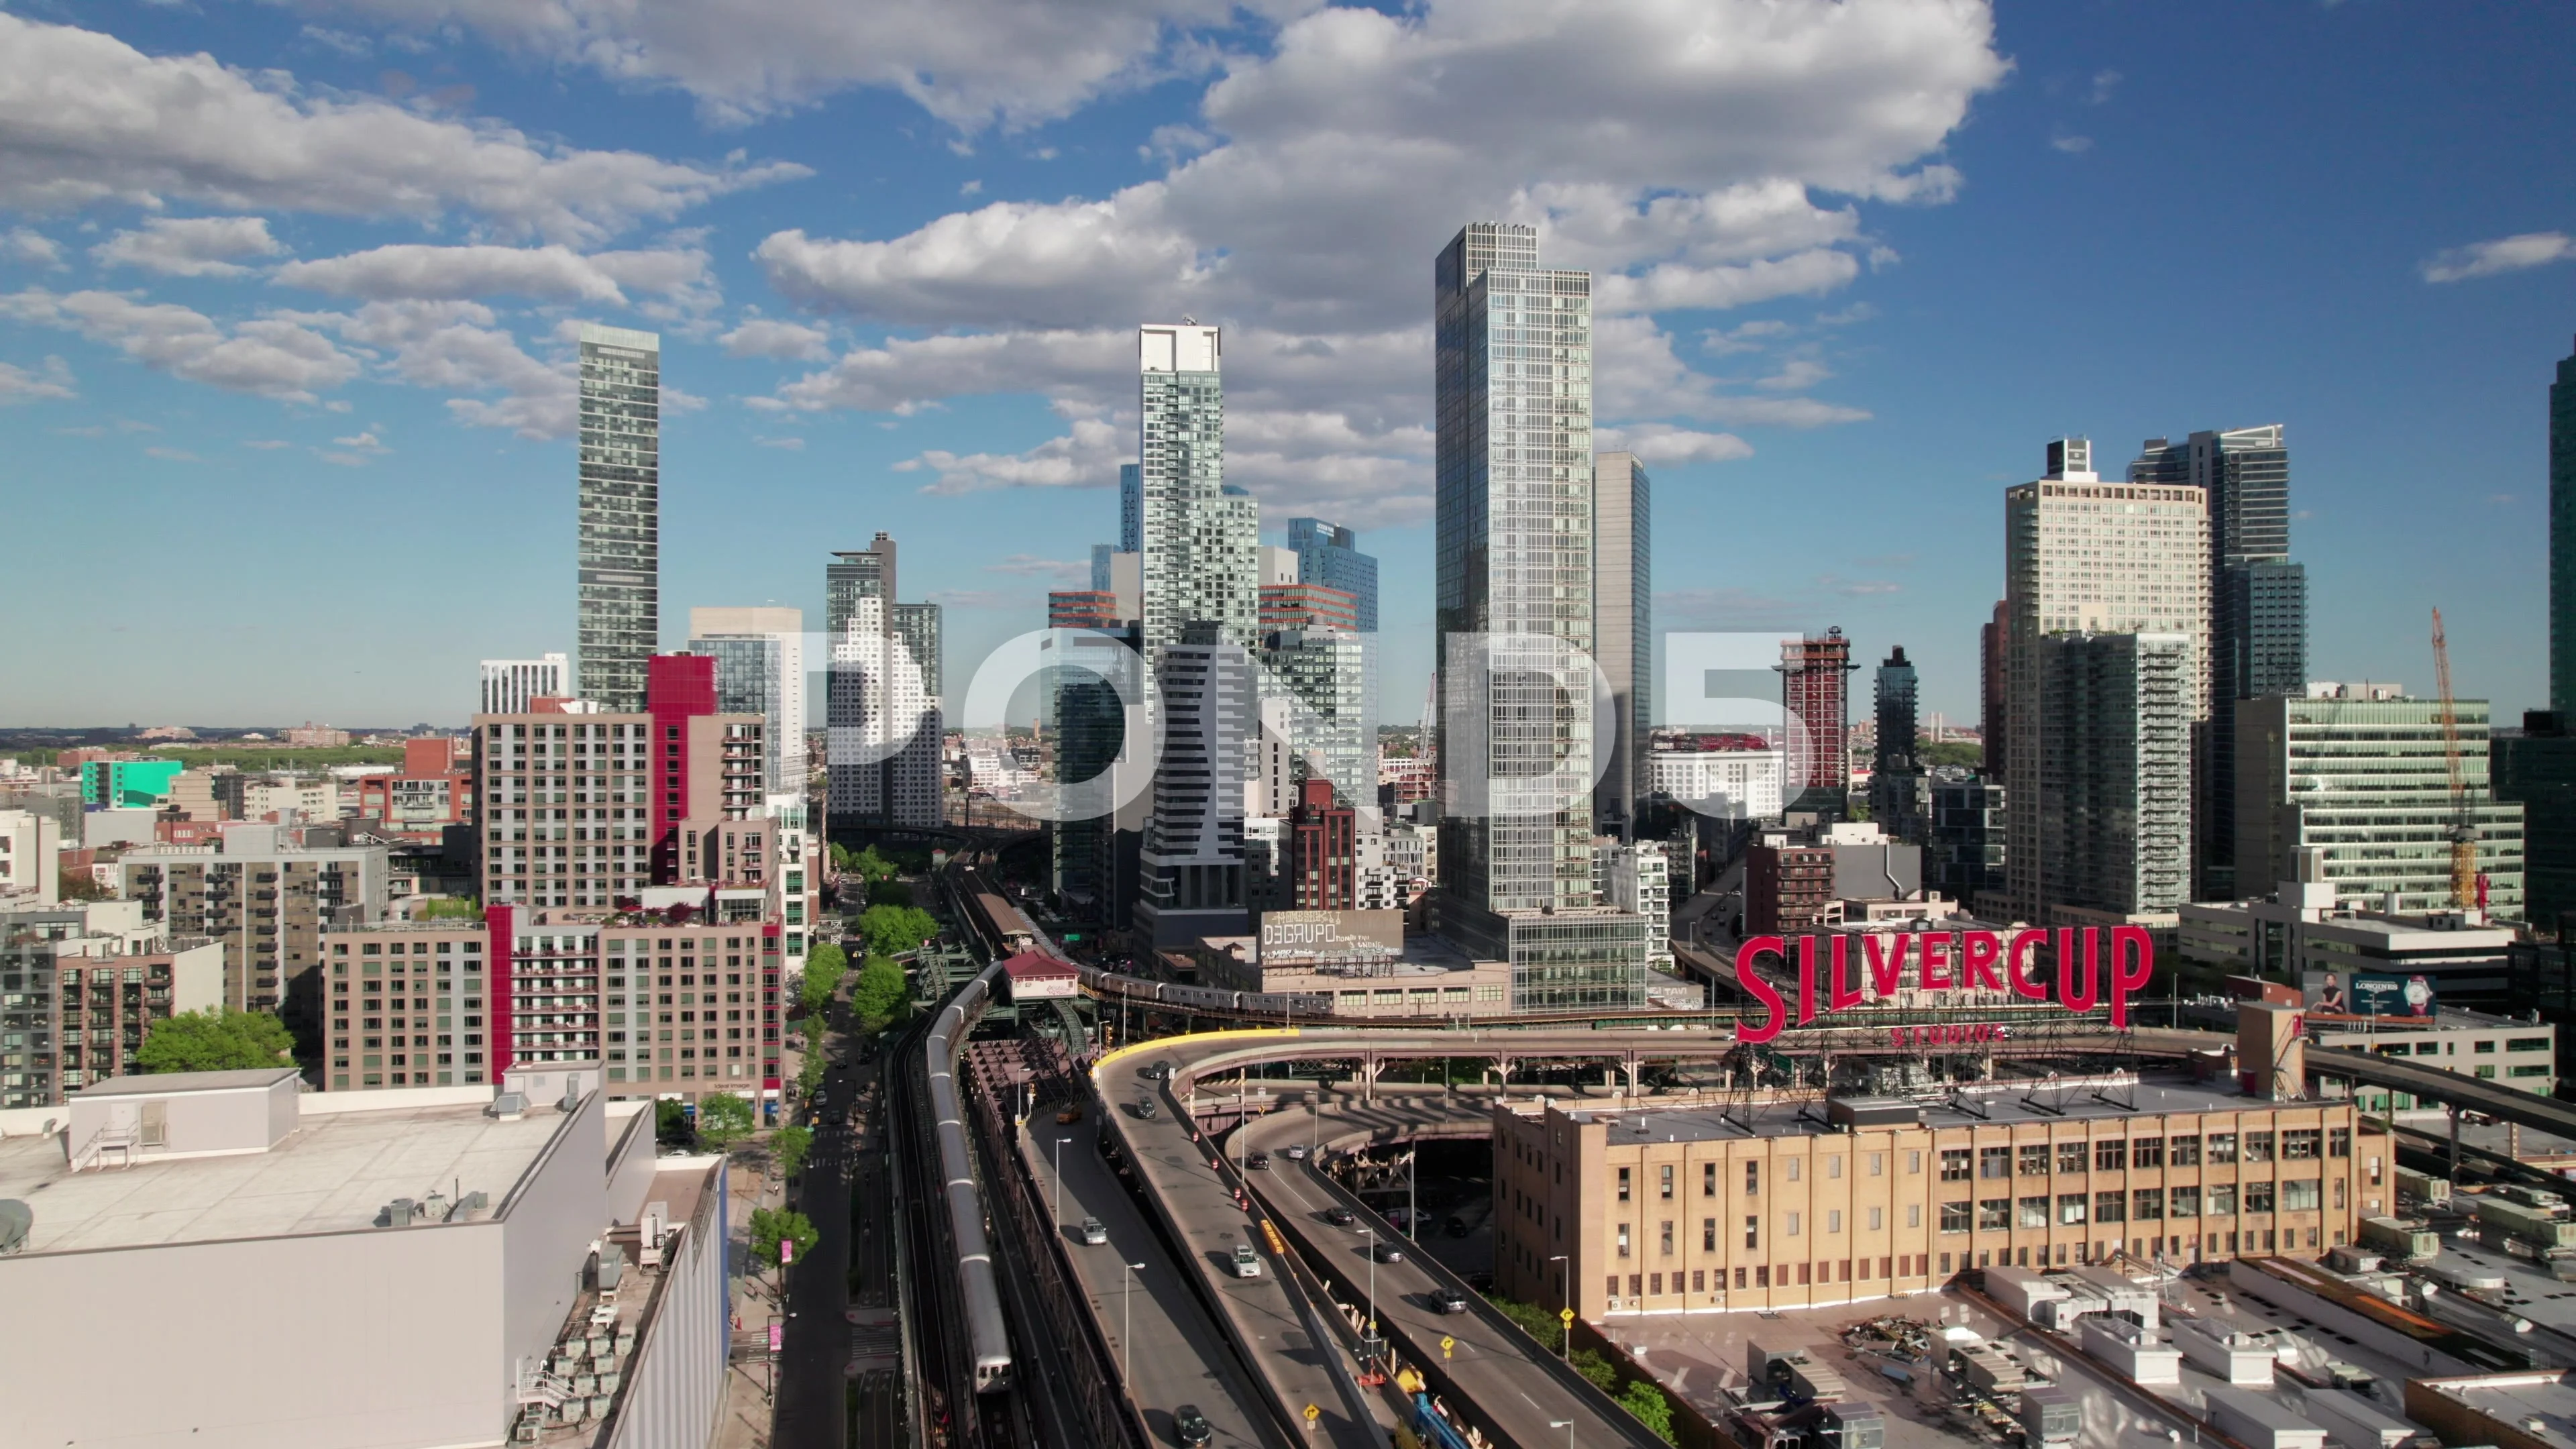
{"type": "Point", "coordinates": [619, 620]}
{"type": "Point", "coordinates": [1623, 632]}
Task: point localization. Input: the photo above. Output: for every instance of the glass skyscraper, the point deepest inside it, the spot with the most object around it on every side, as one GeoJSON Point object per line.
{"type": "Point", "coordinates": [619, 614]}
{"type": "Point", "coordinates": [1623, 633]}
{"type": "Point", "coordinates": [2562, 540]}
{"type": "Point", "coordinates": [1512, 371]}
{"type": "Point", "coordinates": [1329, 554]}
{"type": "Point", "coordinates": [1199, 538]}
{"type": "Point", "coordinates": [853, 575]}
{"type": "Point", "coordinates": [2258, 603]}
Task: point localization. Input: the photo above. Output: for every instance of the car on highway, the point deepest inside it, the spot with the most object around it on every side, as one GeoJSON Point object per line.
{"type": "Point", "coordinates": [1247, 1263]}
{"type": "Point", "coordinates": [1257, 1162]}
{"type": "Point", "coordinates": [1157, 1072]}
{"type": "Point", "coordinates": [1448, 1300]}
{"type": "Point", "coordinates": [1340, 1217]}
{"type": "Point", "coordinates": [1387, 1253]}
{"type": "Point", "coordinates": [1296, 1152]}
{"type": "Point", "coordinates": [1144, 1106]}
{"type": "Point", "coordinates": [1094, 1232]}
{"type": "Point", "coordinates": [1192, 1427]}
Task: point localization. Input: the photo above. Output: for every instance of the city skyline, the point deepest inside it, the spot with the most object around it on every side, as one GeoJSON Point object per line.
{"type": "Point", "coordinates": [2446, 378]}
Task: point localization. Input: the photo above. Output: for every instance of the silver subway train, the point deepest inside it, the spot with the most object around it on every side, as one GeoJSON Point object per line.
{"type": "Point", "coordinates": [989, 1339]}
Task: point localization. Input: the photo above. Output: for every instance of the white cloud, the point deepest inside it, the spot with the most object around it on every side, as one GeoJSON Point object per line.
{"type": "Point", "coordinates": [30, 248]}
{"type": "Point", "coordinates": [2104, 83]}
{"type": "Point", "coordinates": [766, 337]}
{"type": "Point", "coordinates": [1655, 443]}
{"type": "Point", "coordinates": [52, 381]}
{"type": "Point", "coordinates": [417, 272]}
{"type": "Point", "coordinates": [2071, 145]}
{"type": "Point", "coordinates": [365, 442]}
{"type": "Point", "coordinates": [86, 118]}
{"type": "Point", "coordinates": [971, 63]}
{"type": "Point", "coordinates": [203, 246]}
{"type": "Point", "coordinates": [1695, 156]}
{"type": "Point", "coordinates": [456, 347]}
{"type": "Point", "coordinates": [275, 357]}
{"type": "Point", "coordinates": [2506, 254]}
{"type": "Point", "coordinates": [1796, 375]}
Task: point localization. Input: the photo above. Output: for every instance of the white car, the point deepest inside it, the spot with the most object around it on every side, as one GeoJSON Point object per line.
{"type": "Point", "coordinates": [1247, 1263]}
{"type": "Point", "coordinates": [1094, 1232]}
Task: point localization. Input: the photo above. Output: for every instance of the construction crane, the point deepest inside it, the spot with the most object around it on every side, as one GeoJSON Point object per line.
{"type": "Point", "coordinates": [2464, 830]}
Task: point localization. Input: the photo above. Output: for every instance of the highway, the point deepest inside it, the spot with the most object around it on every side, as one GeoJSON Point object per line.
{"type": "Point", "coordinates": [1493, 1367]}
{"type": "Point", "coordinates": [1176, 1355]}
{"type": "Point", "coordinates": [1260, 1313]}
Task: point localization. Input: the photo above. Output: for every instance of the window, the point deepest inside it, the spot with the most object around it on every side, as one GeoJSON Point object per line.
{"type": "Point", "coordinates": [1708, 1179]}
{"type": "Point", "coordinates": [1623, 1184]}
{"type": "Point", "coordinates": [1833, 1167]}
{"type": "Point", "coordinates": [1877, 1220]}
{"type": "Point", "coordinates": [1752, 1234]}
{"type": "Point", "coordinates": [2486, 1074]}
{"type": "Point", "coordinates": [1994, 1214]}
{"type": "Point", "coordinates": [2258, 1146]}
{"type": "Point", "coordinates": [2070, 1157]}
{"type": "Point", "coordinates": [2182, 1152]}
{"type": "Point", "coordinates": [1834, 1220]}
{"type": "Point", "coordinates": [1793, 1168]}
{"type": "Point", "coordinates": [2222, 1148]}
{"type": "Point", "coordinates": [1789, 1226]}
{"type": "Point", "coordinates": [1914, 1215]}
{"type": "Point", "coordinates": [2428, 1049]}
{"type": "Point", "coordinates": [2070, 1207]}
{"type": "Point", "coordinates": [2338, 1196]}
{"type": "Point", "coordinates": [2182, 1202]}
{"type": "Point", "coordinates": [1667, 1241]}
{"type": "Point", "coordinates": [1954, 1164]}
{"type": "Point", "coordinates": [1955, 1217]}
{"type": "Point", "coordinates": [1913, 1162]}
{"type": "Point", "coordinates": [1667, 1181]}
{"type": "Point", "coordinates": [2034, 1159]}
{"type": "Point", "coordinates": [2110, 1207]}
{"type": "Point", "coordinates": [2485, 1046]}
{"type": "Point", "coordinates": [1877, 1164]}
{"type": "Point", "coordinates": [2147, 1152]}
{"type": "Point", "coordinates": [1994, 1163]}
{"type": "Point", "coordinates": [2111, 1155]}
{"type": "Point", "coordinates": [1623, 1240]}
{"type": "Point", "coordinates": [1708, 1235]}
{"type": "Point", "coordinates": [2147, 1205]}
{"type": "Point", "coordinates": [1752, 1179]}
{"type": "Point", "coordinates": [2299, 1145]}
{"type": "Point", "coordinates": [2258, 1197]}
{"type": "Point", "coordinates": [2218, 1200]}
{"type": "Point", "coordinates": [2536, 1069]}
{"type": "Point", "coordinates": [2527, 1044]}
{"type": "Point", "coordinates": [2299, 1195]}
{"type": "Point", "coordinates": [2034, 1212]}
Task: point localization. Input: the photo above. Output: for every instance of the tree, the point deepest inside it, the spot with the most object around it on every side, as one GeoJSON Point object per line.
{"type": "Point", "coordinates": [723, 1120]}
{"type": "Point", "coordinates": [878, 995]}
{"type": "Point", "coordinates": [892, 930]}
{"type": "Point", "coordinates": [769, 1225]}
{"type": "Point", "coordinates": [80, 885]}
{"type": "Point", "coordinates": [215, 1041]}
{"type": "Point", "coordinates": [889, 893]}
{"type": "Point", "coordinates": [871, 866]}
{"type": "Point", "coordinates": [1647, 1404]}
{"type": "Point", "coordinates": [825, 965]}
{"type": "Point", "coordinates": [790, 1147]}
{"type": "Point", "coordinates": [671, 1122]}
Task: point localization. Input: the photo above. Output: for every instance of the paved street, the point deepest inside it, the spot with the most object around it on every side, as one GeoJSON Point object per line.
{"type": "Point", "coordinates": [1177, 1356]}
{"type": "Point", "coordinates": [814, 1361]}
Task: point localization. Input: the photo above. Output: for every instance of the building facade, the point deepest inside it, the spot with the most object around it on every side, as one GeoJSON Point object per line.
{"type": "Point", "coordinates": [1200, 539]}
{"type": "Point", "coordinates": [760, 669]}
{"type": "Point", "coordinates": [510, 685]}
{"type": "Point", "coordinates": [1623, 625]}
{"type": "Point", "coordinates": [1640, 880]}
{"type": "Point", "coordinates": [2536, 769]}
{"type": "Point", "coordinates": [266, 893]}
{"type": "Point", "coordinates": [1191, 867]}
{"type": "Point", "coordinates": [1514, 593]}
{"type": "Point", "coordinates": [1329, 555]}
{"type": "Point", "coordinates": [1731, 784]}
{"type": "Point", "coordinates": [2089, 556]}
{"type": "Point", "coordinates": [882, 727]}
{"type": "Point", "coordinates": [856, 574]}
{"type": "Point", "coordinates": [1815, 693]}
{"type": "Point", "coordinates": [81, 986]}
{"type": "Point", "coordinates": [1964, 857]}
{"type": "Point", "coordinates": [2368, 782]}
{"type": "Point", "coordinates": [1896, 771]}
{"type": "Point", "coordinates": [1667, 1210]}
{"type": "Point", "coordinates": [619, 622]}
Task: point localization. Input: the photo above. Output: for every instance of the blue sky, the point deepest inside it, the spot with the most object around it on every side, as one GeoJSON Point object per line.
{"type": "Point", "coordinates": [284, 289]}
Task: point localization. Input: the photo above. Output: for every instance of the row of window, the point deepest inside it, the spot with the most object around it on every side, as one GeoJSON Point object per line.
{"type": "Point", "coordinates": [2000, 1214]}
{"type": "Point", "coordinates": [2038, 1159]}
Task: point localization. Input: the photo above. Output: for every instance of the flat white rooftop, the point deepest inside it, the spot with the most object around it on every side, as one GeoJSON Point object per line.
{"type": "Point", "coordinates": [333, 1173]}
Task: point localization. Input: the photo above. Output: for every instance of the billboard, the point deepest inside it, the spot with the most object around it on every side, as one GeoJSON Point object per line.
{"type": "Point", "coordinates": [1288, 937]}
{"type": "Point", "coordinates": [2369, 993]}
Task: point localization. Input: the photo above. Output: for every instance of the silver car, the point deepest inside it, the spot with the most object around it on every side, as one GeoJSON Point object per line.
{"type": "Point", "coordinates": [1094, 1232]}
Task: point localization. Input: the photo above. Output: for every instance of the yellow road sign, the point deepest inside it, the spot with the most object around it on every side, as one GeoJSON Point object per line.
{"type": "Point", "coordinates": [1446, 1344]}
{"type": "Point", "coordinates": [1565, 1315]}
{"type": "Point", "coordinates": [1313, 1413]}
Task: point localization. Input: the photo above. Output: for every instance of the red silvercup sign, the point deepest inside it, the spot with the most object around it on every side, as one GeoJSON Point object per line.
{"type": "Point", "coordinates": [1943, 960]}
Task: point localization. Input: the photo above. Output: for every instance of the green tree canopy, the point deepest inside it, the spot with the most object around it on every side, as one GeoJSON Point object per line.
{"type": "Point", "coordinates": [889, 893]}
{"type": "Point", "coordinates": [879, 994]}
{"type": "Point", "coordinates": [671, 1122]}
{"type": "Point", "coordinates": [825, 965]}
{"type": "Point", "coordinates": [723, 1119]}
{"type": "Point", "coordinates": [769, 1225]}
{"type": "Point", "coordinates": [892, 930]}
{"type": "Point", "coordinates": [790, 1146]}
{"type": "Point", "coordinates": [216, 1041]}
{"type": "Point", "coordinates": [1647, 1404]}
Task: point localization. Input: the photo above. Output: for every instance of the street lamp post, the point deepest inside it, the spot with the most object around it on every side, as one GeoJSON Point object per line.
{"type": "Point", "coordinates": [1127, 1324]}
{"type": "Point", "coordinates": [1056, 1212]}
{"type": "Point", "coordinates": [1568, 1426]}
{"type": "Point", "coordinates": [1369, 1328]}
{"type": "Point", "coordinates": [1564, 1299]}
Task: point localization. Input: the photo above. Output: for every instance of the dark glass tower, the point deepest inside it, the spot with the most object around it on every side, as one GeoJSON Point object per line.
{"type": "Point", "coordinates": [2562, 540]}
{"type": "Point", "coordinates": [1897, 765]}
{"type": "Point", "coordinates": [618, 622]}
{"type": "Point", "coordinates": [2258, 634]}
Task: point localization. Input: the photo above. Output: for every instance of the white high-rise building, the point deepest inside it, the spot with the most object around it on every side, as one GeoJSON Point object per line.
{"type": "Point", "coordinates": [508, 684]}
{"type": "Point", "coordinates": [1623, 626]}
{"type": "Point", "coordinates": [760, 669]}
{"type": "Point", "coordinates": [1201, 539]}
{"type": "Point", "coordinates": [2085, 555]}
{"type": "Point", "coordinates": [882, 727]}
{"type": "Point", "coordinates": [1641, 882]}
{"type": "Point", "coordinates": [1512, 372]}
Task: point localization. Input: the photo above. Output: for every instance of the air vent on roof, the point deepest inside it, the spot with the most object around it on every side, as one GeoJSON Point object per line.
{"type": "Point", "coordinates": [509, 1106]}
{"type": "Point", "coordinates": [17, 1220]}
